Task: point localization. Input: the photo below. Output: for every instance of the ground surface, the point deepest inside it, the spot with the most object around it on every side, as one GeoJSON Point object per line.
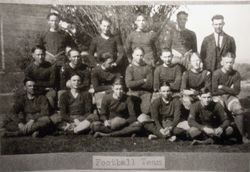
{"type": "Point", "coordinates": [86, 143]}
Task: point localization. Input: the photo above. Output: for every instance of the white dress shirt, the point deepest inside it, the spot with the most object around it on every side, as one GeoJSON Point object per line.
{"type": "Point", "coordinates": [220, 39]}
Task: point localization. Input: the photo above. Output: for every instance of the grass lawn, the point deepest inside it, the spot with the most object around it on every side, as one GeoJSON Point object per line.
{"type": "Point", "coordinates": [86, 143]}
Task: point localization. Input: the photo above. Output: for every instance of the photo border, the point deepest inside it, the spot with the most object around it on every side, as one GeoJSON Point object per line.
{"type": "Point", "coordinates": [210, 161]}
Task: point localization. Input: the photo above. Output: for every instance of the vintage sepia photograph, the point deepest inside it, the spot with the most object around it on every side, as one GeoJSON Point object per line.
{"type": "Point", "coordinates": [124, 86]}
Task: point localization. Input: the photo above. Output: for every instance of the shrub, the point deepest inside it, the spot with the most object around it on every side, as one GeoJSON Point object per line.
{"type": "Point", "coordinates": [86, 19]}
{"type": "Point", "coordinates": [244, 70]}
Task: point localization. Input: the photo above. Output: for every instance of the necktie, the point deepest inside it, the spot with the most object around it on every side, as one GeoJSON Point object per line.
{"type": "Point", "coordinates": [218, 58]}
{"type": "Point", "coordinates": [218, 41]}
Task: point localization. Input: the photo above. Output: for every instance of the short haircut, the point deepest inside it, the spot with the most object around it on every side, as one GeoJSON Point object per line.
{"type": "Point", "coordinates": [217, 17]}
{"type": "Point", "coordinates": [229, 55]}
{"type": "Point", "coordinates": [182, 13]}
{"type": "Point", "coordinates": [27, 79]}
{"type": "Point", "coordinates": [74, 74]}
{"type": "Point", "coordinates": [40, 47]}
{"type": "Point", "coordinates": [53, 14]}
{"type": "Point", "coordinates": [73, 49]}
{"type": "Point", "coordinates": [165, 84]}
{"type": "Point", "coordinates": [83, 48]}
{"type": "Point", "coordinates": [204, 91]}
{"type": "Point", "coordinates": [165, 50]}
{"type": "Point", "coordinates": [195, 54]}
{"type": "Point", "coordinates": [118, 81]}
{"type": "Point", "coordinates": [139, 48]}
{"type": "Point", "coordinates": [104, 18]}
{"type": "Point", "coordinates": [141, 14]}
{"type": "Point", "coordinates": [105, 56]}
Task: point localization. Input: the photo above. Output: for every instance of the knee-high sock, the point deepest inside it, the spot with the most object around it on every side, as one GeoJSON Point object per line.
{"type": "Point", "coordinates": [179, 132]}
{"type": "Point", "coordinates": [83, 125]}
{"type": "Point", "coordinates": [239, 123]}
{"type": "Point", "coordinates": [126, 131]}
{"type": "Point", "coordinates": [151, 127]}
{"type": "Point", "coordinates": [101, 128]}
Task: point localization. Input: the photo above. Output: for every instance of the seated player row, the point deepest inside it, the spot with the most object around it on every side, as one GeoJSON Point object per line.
{"type": "Point", "coordinates": [140, 78]}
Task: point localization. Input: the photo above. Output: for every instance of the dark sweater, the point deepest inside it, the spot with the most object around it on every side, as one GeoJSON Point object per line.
{"type": "Point", "coordinates": [135, 76]}
{"type": "Point", "coordinates": [227, 80]}
{"type": "Point", "coordinates": [212, 116]}
{"type": "Point", "coordinates": [82, 70]}
{"type": "Point", "coordinates": [196, 81]}
{"type": "Point", "coordinates": [112, 45]}
{"type": "Point", "coordinates": [43, 75]}
{"type": "Point", "coordinates": [123, 107]}
{"type": "Point", "coordinates": [25, 109]}
{"type": "Point", "coordinates": [171, 74]}
{"type": "Point", "coordinates": [161, 110]}
{"type": "Point", "coordinates": [182, 41]}
{"type": "Point", "coordinates": [55, 42]}
{"type": "Point", "coordinates": [146, 40]}
{"type": "Point", "coordinates": [79, 106]}
{"type": "Point", "coordinates": [102, 80]}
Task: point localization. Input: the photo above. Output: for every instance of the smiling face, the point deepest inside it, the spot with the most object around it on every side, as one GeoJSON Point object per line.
{"type": "Point", "coordinates": [218, 25]}
{"type": "Point", "coordinates": [75, 81]}
{"type": "Point", "coordinates": [105, 27]}
{"type": "Point", "coordinates": [140, 22]}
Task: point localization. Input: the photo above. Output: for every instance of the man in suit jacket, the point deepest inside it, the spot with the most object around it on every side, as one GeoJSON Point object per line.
{"type": "Point", "coordinates": [216, 45]}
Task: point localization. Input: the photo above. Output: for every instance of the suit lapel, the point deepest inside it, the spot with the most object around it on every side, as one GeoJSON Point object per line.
{"type": "Point", "coordinates": [212, 38]}
{"type": "Point", "coordinates": [224, 40]}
